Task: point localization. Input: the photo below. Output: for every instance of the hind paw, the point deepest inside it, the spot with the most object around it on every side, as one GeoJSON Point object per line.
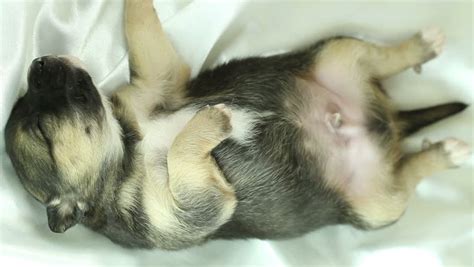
{"type": "Point", "coordinates": [452, 151]}
{"type": "Point", "coordinates": [456, 151]}
{"type": "Point", "coordinates": [431, 41]}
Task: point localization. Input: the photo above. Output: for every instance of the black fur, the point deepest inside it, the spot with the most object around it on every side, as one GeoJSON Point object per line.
{"type": "Point", "coordinates": [413, 120]}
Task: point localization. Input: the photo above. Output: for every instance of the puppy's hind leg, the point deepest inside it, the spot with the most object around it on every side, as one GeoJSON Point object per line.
{"type": "Point", "coordinates": [357, 60]}
{"type": "Point", "coordinates": [388, 200]}
{"type": "Point", "coordinates": [422, 47]}
{"type": "Point", "coordinates": [433, 158]}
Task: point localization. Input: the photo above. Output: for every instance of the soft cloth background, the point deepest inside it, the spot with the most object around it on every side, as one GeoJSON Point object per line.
{"type": "Point", "coordinates": [437, 229]}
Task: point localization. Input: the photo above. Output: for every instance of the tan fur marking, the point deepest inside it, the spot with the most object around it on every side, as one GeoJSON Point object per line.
{"type": "Point", "coordinates": [74, 151]}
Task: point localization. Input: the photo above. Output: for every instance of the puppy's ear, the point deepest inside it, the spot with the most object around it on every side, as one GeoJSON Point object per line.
{"type": "Point", "coordinates": [64, 215]}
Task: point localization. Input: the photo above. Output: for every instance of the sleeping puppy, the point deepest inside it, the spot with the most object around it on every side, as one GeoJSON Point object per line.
{"type": "Point", "coordinates": [302, 140]}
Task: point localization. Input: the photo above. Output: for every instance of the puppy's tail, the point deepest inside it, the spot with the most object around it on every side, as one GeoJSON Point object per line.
{"type": "Point", "coordinates": [413, 120]}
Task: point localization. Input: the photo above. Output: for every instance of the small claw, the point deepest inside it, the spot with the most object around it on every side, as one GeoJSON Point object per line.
{"type": "Point", "coordinates": [224, 108]}
{"type": "Point", "coordinates": [417, 68]}
{"type": "Point", "coordinates": [426, 143]}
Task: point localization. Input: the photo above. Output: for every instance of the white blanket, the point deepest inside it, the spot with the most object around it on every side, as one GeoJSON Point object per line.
{"type": "Point", "coordinates": [437, 229]}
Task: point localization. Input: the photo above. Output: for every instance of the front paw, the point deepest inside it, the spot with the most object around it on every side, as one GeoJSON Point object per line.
{"type": "Point", "coordinates": [217, 120]}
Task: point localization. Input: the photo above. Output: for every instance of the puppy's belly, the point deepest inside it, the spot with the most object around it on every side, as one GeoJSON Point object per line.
{"type": "Point", "coordinates": [335, 132]}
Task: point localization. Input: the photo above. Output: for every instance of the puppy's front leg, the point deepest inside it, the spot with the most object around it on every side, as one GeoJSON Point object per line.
{"type": "Point", "coordinates": [158, 75]}
{"type": "Point", "coordinates": [203, 197]}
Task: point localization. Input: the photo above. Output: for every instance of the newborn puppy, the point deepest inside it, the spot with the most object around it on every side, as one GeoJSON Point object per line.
{"type": "Point", "coordinates": [303, 140]}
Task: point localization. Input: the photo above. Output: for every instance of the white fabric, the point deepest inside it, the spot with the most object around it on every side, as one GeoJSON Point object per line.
{"type": "Point", "coordinates": [437, 229]}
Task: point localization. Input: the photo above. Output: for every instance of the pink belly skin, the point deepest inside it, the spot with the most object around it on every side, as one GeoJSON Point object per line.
{"type": "Point", "coordinates": [334, 126]}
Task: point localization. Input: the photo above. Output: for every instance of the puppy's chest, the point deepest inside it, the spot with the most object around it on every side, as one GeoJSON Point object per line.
{"type": "Point", "coordinates": [160, 132]}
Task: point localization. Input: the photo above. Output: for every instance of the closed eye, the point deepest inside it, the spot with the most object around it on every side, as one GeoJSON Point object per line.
{"type": "Point", "coordinates": [45, 138]}
{"type": "Point", "coordinates": [81, 98]}
{"type": "Point", "coordinates": [41, 130]}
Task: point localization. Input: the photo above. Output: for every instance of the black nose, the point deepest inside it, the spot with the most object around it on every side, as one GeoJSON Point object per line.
{"type": "Point", "coordinates": [46, 63]}
{"type": "Point", "coordinates": [38, 63]}
{"type": "Point", "coordinates": [46, 72]}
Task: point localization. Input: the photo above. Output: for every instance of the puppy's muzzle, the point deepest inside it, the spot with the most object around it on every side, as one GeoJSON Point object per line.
{"type": "Point", "coordinates": [55, 82]}
{"type": "Point", "coordinates": [46, 74]}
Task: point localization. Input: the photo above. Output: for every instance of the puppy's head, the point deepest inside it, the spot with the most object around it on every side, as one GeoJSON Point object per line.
{"type": "Point", "coordinates": [59, 136]}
